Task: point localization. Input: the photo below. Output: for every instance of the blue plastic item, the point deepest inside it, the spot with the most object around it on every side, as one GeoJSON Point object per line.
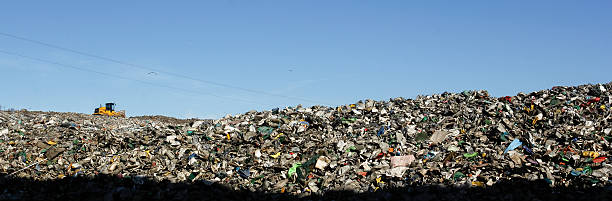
{"type": "Point", "coordinates": [513, 145]}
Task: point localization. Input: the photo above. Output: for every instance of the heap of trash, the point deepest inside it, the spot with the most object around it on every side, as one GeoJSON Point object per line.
{"type": "Point", "coordinates": [560, 136]}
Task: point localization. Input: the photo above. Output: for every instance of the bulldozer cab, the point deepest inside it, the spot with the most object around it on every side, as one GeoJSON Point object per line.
{"type": "Point", "coordinates": [110, 107]}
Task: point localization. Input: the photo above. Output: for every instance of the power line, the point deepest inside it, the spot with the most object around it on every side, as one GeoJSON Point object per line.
{"type": "Point", "coordinates": [153, 69]}
{"type": "Point", "coordinates": [126, 78]}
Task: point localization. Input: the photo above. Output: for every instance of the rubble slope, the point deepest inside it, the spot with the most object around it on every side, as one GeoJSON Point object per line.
{"type": "Point", "coordinates": [470, 139]}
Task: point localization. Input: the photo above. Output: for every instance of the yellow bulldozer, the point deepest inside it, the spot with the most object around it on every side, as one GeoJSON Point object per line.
{"type": "Point", "coordinates": [109, 110]}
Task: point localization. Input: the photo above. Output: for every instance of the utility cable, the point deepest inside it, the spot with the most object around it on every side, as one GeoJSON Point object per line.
{"type": "Point", "coordinates": [126, 78]}
{"type": "Point", "coordinates": [157, 70]}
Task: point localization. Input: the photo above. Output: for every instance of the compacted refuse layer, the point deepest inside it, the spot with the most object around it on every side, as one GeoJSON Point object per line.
{"type": "Point", "coordinates": [457, 145]}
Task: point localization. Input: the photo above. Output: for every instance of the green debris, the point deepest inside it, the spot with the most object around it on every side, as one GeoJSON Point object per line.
{"type": "Point", "coordinates": [458, 175]}
{"type": "Point", "coordinates": [281, 139]}
{"type": "Point", "coordinates": [554, 101]}
{"type": "Point", "coordinates": [308, 165]}
{"type": "Point", "coordinates": [503, 136]}
{"type": "Point", "coordinates": [587, 170]}
{"type": "Point", "coordinates": [422, 136]}
{"type": "Point", "coordinates": [348, 120]}
{"type": "Point", "coordinates": [470, 155]}
{"type": "Point", "coordinates": [265, 130]}
{"type": "Point", "coordinates": [300, 174]}
{"type": "Point", "coordinates": [294, 169]}
{"type": "Point", "coordinates": [256, 178]}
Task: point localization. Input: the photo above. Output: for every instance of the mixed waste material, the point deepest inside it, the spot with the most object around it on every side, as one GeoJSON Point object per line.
{"type": "Point", "coordinates": [560, 136]}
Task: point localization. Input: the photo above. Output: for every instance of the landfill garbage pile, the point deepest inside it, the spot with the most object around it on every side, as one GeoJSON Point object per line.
{"type": "Point", "coordinates": [559, 136]}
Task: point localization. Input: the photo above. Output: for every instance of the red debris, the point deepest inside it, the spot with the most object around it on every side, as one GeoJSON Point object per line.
{"type": "Point", "coordinates": [599, 159]}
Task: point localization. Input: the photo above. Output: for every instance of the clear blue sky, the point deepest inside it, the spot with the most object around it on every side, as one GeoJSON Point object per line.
{"type": "Point", "coordinates": [331, 52]}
